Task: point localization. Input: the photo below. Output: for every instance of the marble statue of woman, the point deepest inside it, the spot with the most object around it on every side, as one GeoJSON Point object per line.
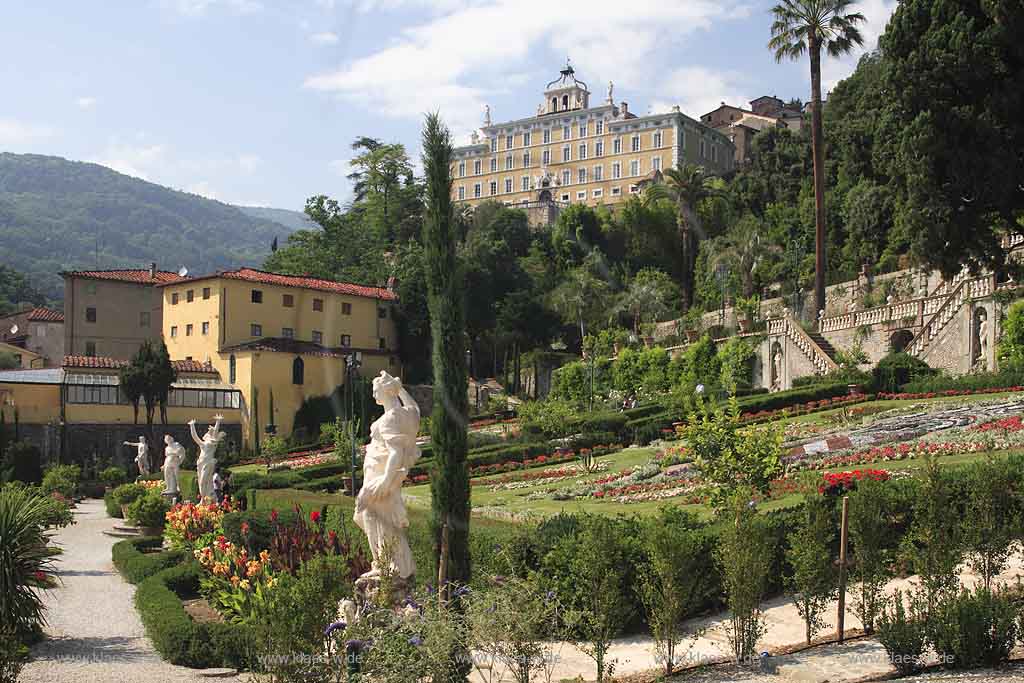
{"type": "Point", "coordinates": [380, 512]}
{"type": "Point", "coordinates": [174, 453]}
{"type": "Point", "coordinates": [142, 457]}
{"type": "Point", "coordinates": [206, 464]}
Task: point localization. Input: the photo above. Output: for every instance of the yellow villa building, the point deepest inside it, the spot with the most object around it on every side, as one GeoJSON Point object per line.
{"type": "Point", "coordinates": [572, 152]}
{"type": "Point", "coordinates": [279, 339]}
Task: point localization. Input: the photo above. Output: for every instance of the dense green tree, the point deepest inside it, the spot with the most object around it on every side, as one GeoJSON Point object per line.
{"type": "Point", "coordinates": [449, 487]}
{"type": "Point", "coordinates": [810, 26]}
{"type": "Point", "coordinates": [954, 76]}
{"type": "Point", "coordinates": [649, 297]}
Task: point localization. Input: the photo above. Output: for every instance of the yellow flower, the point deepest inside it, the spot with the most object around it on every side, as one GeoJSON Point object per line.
{"type": "Point", "coordinates": [253, 568]}
{"type": "Point", "coordinates": [271, 581]}
{"type": "Point", "coordinates": [243, 584]}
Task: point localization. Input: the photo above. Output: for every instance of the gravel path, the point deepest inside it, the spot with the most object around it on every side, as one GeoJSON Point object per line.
{"type": "Point", "coordinates": [93, 632]}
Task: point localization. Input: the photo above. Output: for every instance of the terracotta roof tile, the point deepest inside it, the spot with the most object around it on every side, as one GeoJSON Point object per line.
{"type": "Point", "coordinates": [45, 315]}
{"type": "Point", "coordinates": [304, 282]}
{"type": "Point", "coordinates": [139, 276]}
{"type": "Point", "coordinates": [104, 363]}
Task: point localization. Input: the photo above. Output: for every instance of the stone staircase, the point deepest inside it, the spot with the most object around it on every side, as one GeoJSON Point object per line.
{"type": "Point", "coordinates": [823, 344]}
{"type": "Point", "coordinates": [963, 289]}
{"type": "Point", "coordinates": [820, 359]}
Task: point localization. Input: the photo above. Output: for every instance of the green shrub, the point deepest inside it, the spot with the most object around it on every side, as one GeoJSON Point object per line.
{"type": "Point", "coordinates": [903, 633]}
{"type": "Point", "coordinates": [26, 461]}
{"type": "Point", "coordinates": [174, 634]}
{"type": "Point", "coordinates": [261, 530]}
{"type": "Point", "coordinates": [791, 397]}
{"type": "Point", "coordinates": [546, 418]}
{"type": "Point", "coordinates": [970, 630]}
{"type": "Point", "coordinates": [126, 494]}
{"type": "Point", "coordinates": [1011, 345]}
{"type": "Point", "coordinates": [13, 655]}
{"type": "Point", "coordinates": [135, 565]}
{"type": "Point", "coordinates": [329, 484]}
{"type": "Point", "coordinates": [977, 381]}
{"type": "Point", "coordinates": [25, 557]}
{"type": "Point", "coordinates": [150, 510]}
{"type": "Point", "coordinates": [62, 479]}
{"type": "Point", "coordinates": [810, 554]}
{"type": "Point", "coordinates": [113, 476]}
{"type": "Point", "coordinates": [898, 369]}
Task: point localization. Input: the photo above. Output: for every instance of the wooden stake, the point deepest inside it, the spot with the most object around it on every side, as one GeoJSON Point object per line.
{"type": "Point", "coordinates": [841, 616]}
{"type": "Point", "coordinates": [442, 565]}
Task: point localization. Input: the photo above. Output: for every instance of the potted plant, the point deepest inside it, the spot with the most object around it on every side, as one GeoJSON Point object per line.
{"type": "Point", "coordinates": [647, 330]}
{"type": "Point", "coordinates": [748, 308]}
{"type": "Point", "coordinates": [113, 477]}
{"type": "Point", "coordinates": [693, 324]}
{"type": "Point", "coordinates": [125, 495]}
{"type": "Point", "coordinates": [149, 512]}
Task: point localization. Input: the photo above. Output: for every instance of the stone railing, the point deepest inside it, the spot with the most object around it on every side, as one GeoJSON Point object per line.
{"type": "Point", "coordinates": [790, 328]}
{"type": "Point", "coordinates": [974, 288]}
{"type": "Point", "coordinates": [915, 308]}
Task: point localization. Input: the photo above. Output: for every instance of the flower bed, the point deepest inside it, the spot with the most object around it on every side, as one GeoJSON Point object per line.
{"type": "Point", "coordinates": [526, 479]}
{"type": "Point", "coordinates": [303, 461]}
{"type": "Point", "coordinates": [904, 396]}
{"type": "Point", "coordinates": [513, 466]}
{"type": "Point", "coordinates": [1009, 425]}
{"type": "Point", "coordinates": [835, 483]}
{"type": "Point", "coordinates": [902, 451]}
{"type": "Point", "coordinates": [150, 484]}
{"type": "Point", "coordinates": [805, 408]}
{"type": "Point", "coordinates": [187, 523]}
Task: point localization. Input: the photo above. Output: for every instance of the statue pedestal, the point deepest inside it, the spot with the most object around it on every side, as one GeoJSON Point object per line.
{"type": "Point", "coordinates": [172, 496]}
{"type": "Point", "coordinates": [368, 587]}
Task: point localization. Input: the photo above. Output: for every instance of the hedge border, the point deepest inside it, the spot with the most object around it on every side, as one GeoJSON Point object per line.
{"type": "Point", "coordinates": [136, 566]}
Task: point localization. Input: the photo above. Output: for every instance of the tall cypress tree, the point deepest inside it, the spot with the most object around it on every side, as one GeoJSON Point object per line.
{"type": "Point", "coordinates": [449, 486]}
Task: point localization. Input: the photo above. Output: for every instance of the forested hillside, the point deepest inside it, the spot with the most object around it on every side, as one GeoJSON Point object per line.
{"type": "Point", "coordinates": [57, 214]}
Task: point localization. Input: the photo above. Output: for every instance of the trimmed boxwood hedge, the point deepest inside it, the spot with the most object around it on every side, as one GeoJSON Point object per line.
{"type": "Point", "coordinates": [136, 565]}
{"type": "Point", "coordinates": [178, 638]}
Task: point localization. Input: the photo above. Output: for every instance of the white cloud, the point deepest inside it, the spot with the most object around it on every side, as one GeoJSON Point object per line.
{"type": "Point", "coordinates": [325, 38]}
{"type": "Point", "coordinates": [433, 66]}
{"type": "Point", "coordinates": [698, 90]}
{"type": "Point", "coordinates": [203, 189]}
{"type": "Point", "coordinates": [197, 8]}
{"type": "Point", "coordinates": [16, 134]}
{"type": "Point", "coordinates": [876, 13]}
{"type": "Point", "coordinates": [86, 102]}
{"type": "Point", "coordinates": [340, 167]}
{"type": "Point", "coordinates": [140, 161]}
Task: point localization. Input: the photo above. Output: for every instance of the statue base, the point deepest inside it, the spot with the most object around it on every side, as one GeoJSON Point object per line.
{"type": "Point", "coordinates": [368, 590]}
{"type": "Point", "coordinates": [172, 496]}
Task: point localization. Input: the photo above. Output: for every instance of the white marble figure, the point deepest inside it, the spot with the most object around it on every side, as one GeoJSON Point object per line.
{"type": "Point", "coordinates": [611, 87]}
{"type": "Point", "coordinates": [487, 114]}
{"type": "Point", "coordinates": [983, 340]}
{"type": "Point", "coordinates": [174, 454]}
{"type": "Point", "coordinates": [380, 512]}
{"type": "Point", "coordinates": [777, 368]}
{"type": "Point", "coordinates": [142, 457]}
{"type": "Point", "coordinates": [206, 463]}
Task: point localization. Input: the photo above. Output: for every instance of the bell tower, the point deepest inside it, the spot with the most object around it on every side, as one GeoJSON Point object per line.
{"type": "Point", "coordinates": [565, 93]}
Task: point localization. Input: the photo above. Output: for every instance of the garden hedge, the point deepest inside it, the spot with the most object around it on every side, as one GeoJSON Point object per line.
{"type": "Point", "coordinates": [974, 382]}
{"type": "Point", "coordinates": [135, 565]}
{"type": "Point", "coordinates": [178, 638]}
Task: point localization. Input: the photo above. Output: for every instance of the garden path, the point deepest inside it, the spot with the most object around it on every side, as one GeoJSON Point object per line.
{"type": "Point", "coordinates": [93, 632]}
{"type": "Point", "coordinates": [854, 660]}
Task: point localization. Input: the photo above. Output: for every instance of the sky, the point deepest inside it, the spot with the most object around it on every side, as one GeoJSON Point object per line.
{"type": "Point", "coordinates": [256, 102]}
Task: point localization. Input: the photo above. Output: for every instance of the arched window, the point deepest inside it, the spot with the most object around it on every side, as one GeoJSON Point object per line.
{"type": "Point", "coordinates": [232, 370]}
{"type": "Point", "coordinates": [554, 104]}
{"type": "Point", "coordinates": [565, 101]}
{"type": "Point", "coordinates": [298, 371]}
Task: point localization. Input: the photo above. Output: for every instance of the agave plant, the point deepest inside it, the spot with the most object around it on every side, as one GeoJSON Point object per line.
{"type": "Point", "coordinates": [26, 565]}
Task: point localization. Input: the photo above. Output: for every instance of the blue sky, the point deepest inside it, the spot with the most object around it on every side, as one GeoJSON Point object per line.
{"type": "Point", "coordinates": [256, 101]}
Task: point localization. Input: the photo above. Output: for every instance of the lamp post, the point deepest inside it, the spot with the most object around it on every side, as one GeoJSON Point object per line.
{"type": "Point", "coordinates": [352, 364]}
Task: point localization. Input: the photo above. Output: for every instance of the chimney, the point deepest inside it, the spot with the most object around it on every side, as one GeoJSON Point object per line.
{"type": "Point", "coordinates": [625, 108]}
{"type": "Point", "coordinates": [152, 271]}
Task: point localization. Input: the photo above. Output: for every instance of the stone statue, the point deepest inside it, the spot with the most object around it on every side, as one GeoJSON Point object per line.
{"type": "Point", "coordinates": [174, 454]}
{"type": "Point", "coordinates": [142, 458]}
{"type": "Point", "coordinates": [777, 368]}
{"type": "Point", "coordinates": [983, 339]}
{"type": "Point", "coordinates": [206, 463]}
{"type": "Point", "coordinates": [487, 114]}
{"type": "Point", "coordinates": [380, 512]}
{"type": "Point", "coordinates": [611, 88]}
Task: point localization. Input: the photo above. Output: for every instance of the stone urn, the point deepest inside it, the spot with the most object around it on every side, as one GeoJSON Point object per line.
{"type": "Point", "coordinates": [692, 335]}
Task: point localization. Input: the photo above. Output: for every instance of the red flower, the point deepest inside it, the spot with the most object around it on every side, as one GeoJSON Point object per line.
{"type": "Point", "coordinates": [273, 515]}
{"type": "Point", "coordinates": [314, 516]}
{"type": "Point", "coordinates": [245, 528]}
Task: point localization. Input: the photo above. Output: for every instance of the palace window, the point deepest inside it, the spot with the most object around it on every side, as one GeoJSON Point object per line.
{"type": "Point", "coordinates": [634, 167]}
{"type": "Point", "coordinates": [546, 157]}
{"type": "Point", "coordinates": [346, 340]}
{"type": "Point", "coordinates": [144, 319]}
{"type": "Point", "coordinates": [657, 138]}
{"type": "Point", "coordinates": [494, 164]}
{"type": "Point", "coordinates": [382, 313]}
{"type": "Point", "coordinates": [188, 330]}
{"type": "Point", "coordinates": [508, 185]}
{"type": "Point", "coordinates": [547, 135]}
{"type": "Point", "coordinates": [494, 144]}
{"type": "Point", "coordinates": [462, 192]}
{"type": "Point", "coordinates": [616, 170]}
{"type": "Point", "coordinates": [617, 146]}
{"type": "Point", "coordinates": [656, 163]}
{"type": "Point", "coordinates": [636, 143]}
{"type": "Point", "coordinates": [90, 314]}
{"type": "Point", "coordinates": [494, 187]}
{"type": "Point", "coordinates": [526, 139]}
{"type": "Point", "coordinates": [287, 300]}
{"type": "Point", "coordinates": [298, 371]}
{"type": "Point", "coordinates": [382, 343]}
{"type": "Point", "coordinates": [508, 163]}
{"type": "Point", "coordinates": [90, 349]}
{"type": "Point", "coordinates": [232, 369]}
{"type": "Point", "coordinates": [583, 130]}
{"type": "Point", "coordinates": [714, 152]}
{"type": "Point", "coordinates": [566, 153]}
{"type": "Point", "coordinates": [581, 195]}
{"type": "Point", "coordinates": [346, 309]}
{"type": "Point", "coordinates": [598, 173]}
{"type": "Point", "coordinates": [565, 101]}
{"type": "Point", "coordinates": [476, 191]}
{"type": "Point", "coordinates": [190, 296]}
{"type": "Point", "coordinates": [318, 337]}
{"type": "Point", "coordinates": [174, 331]}
{"type": "Point", "coordinates": [600, 127]}
{"type": "Point", "coordinates": [525, 187]}
{"type": "Point", "coordinates": [598, 193]}
{"type": "Point", "coordinates": [554, 104]}
{"type": "Point", "coordinates": [616, 191]}
{"type": "Point", "coordinates": [599, 149]}
{"type": "Point", "coordinates": [583, 151]}
{"type": "Point", "coordinates": [565, 133]}
{"type": "Point", "coordinates": [288, 332]}
{"type": "Point", "coordinates": [462, 169]}
{"type": "Point", "coordinates": [476, 167]}
{"type": "Point", "coordinates": [255, 330]}
{"type": "Point", "coordinates": [565, 197]}
{"type": "Point", "coordinates": [257, 296]}
{"type": "Point", "coordinates": [174, 299]}
{"type": "Point", "coordinates": [582, 175]}
{"type": "Point", "coordinates": [318, 304]}
{"type": "Point", "coordinates": [703, 154]}
{"type": "Point", "coordinates": [526, 160]}
{"type": "Point", "coordinates": [508, 142]}
{"type": "Point", "coordinates": [205, 328]}
{"type": "Point", "coordinates": [206, 292]}
{"type": "Point", "coordinates": [566, 177]}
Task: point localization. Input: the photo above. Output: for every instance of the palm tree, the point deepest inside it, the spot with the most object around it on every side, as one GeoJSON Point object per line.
{"type": "Point", "coordinates": [809, 26]}
{"type": "Point", "coordinates": [686, 186]}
